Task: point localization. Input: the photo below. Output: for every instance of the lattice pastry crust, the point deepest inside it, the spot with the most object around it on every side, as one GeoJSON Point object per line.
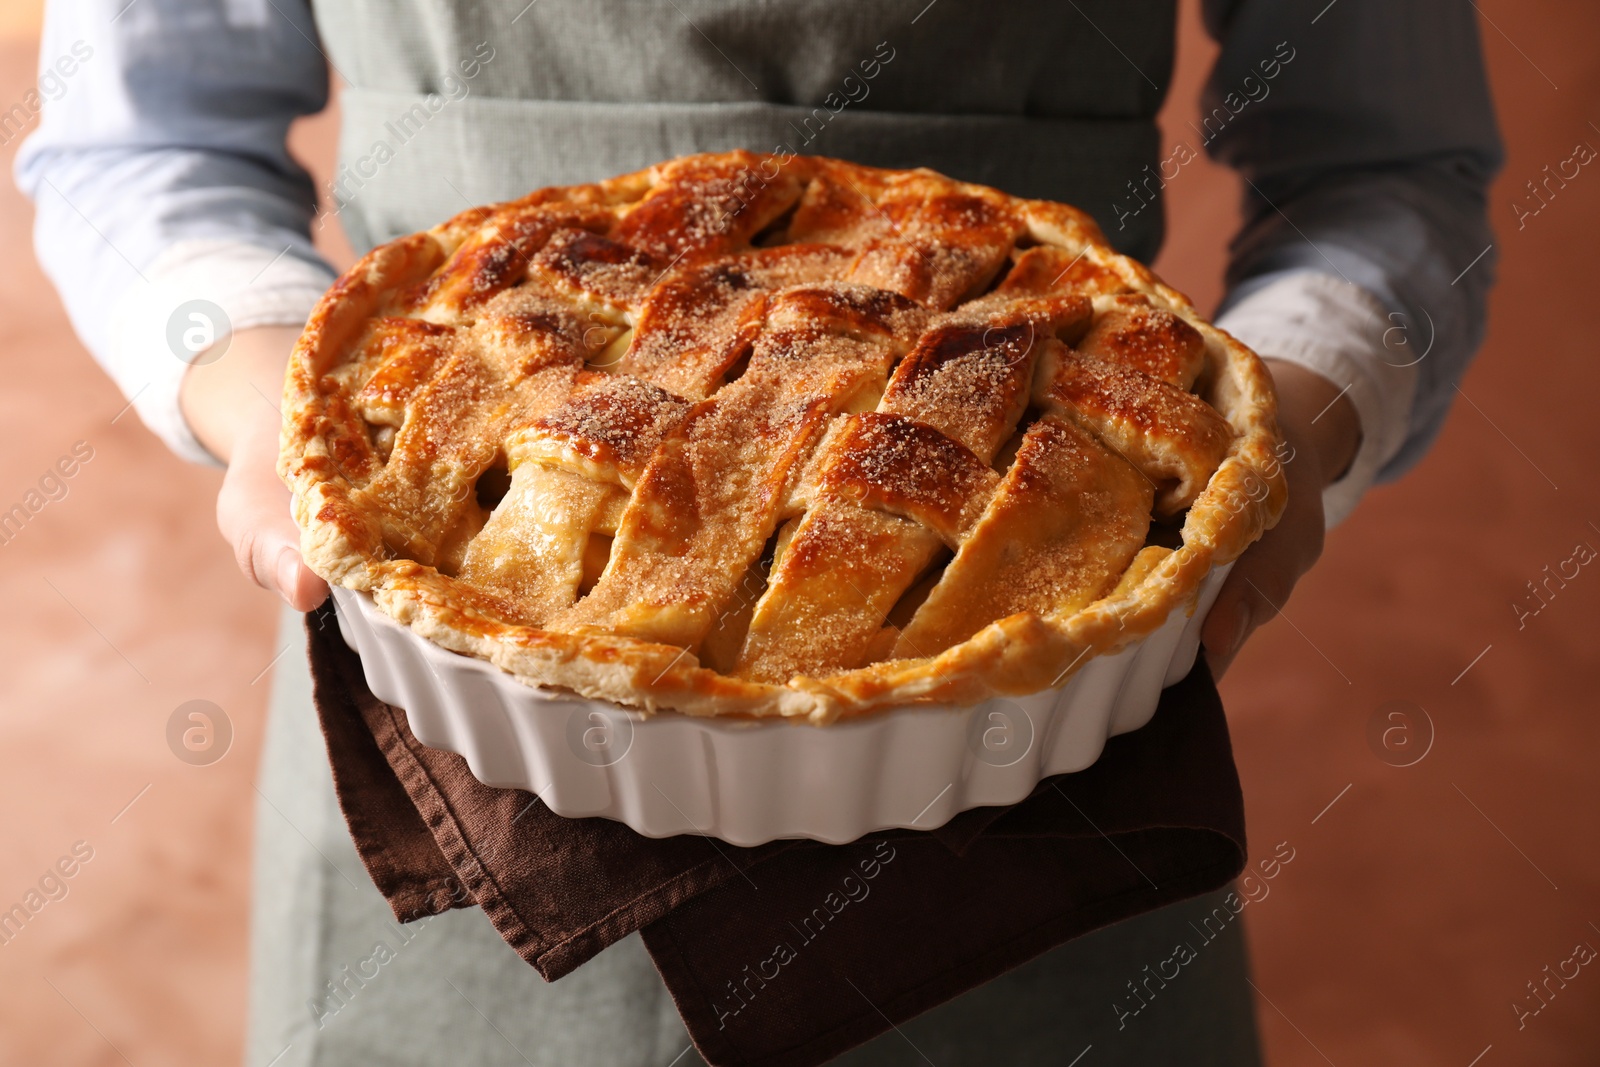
{"type": "Point", "coordinates": [751, 435]}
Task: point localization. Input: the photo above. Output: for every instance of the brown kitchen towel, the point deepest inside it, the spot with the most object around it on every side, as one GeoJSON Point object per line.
{"type": "Point", "coordinates": [790, 953]}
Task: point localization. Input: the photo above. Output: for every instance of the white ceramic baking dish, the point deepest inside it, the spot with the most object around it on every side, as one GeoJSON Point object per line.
{"type": "Point", "coordinates": [748, 782]}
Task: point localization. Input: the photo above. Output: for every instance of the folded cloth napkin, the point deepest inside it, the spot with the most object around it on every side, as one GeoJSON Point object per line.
{"type": "Point", "coordinates": [790, 953]}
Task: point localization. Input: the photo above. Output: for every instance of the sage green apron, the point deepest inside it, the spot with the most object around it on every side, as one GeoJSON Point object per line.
{"type": "Point", "coordinates": [448, 105]}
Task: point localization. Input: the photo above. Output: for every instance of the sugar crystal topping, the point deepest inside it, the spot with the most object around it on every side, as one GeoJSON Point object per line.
{"type": "Point", "coordinates": [788, 416]}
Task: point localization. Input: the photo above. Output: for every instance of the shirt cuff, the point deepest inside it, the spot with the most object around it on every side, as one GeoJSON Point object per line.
{"type": "Point", "coordinates": [199, 292]}
{"type": "Point", "coordinates": [1340, 331]}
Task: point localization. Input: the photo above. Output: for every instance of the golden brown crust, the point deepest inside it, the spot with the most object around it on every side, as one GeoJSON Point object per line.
{"type": "Point", "coordinates": [749, 435]}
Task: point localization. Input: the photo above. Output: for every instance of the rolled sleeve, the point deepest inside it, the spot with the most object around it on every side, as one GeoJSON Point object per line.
{"type": "Point", "coordinates": [145, 351]}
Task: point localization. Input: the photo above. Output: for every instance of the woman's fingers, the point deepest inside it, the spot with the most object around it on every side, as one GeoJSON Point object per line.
{"type": "Point", "coordinates": [253, 514]}
{"type": "Point", "coordinates": [225, 403]}
{"type": "Point", "coordinates": [1262, 578]}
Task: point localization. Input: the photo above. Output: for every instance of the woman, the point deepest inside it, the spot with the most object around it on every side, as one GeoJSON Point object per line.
{"type": "Point", "coordinates": [170, 214]}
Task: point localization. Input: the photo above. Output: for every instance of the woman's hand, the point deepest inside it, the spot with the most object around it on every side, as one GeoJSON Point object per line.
{"type": "Point", "coordinates": [1321, 426]}
{"type": "Point", "coordinates": [232, 406]}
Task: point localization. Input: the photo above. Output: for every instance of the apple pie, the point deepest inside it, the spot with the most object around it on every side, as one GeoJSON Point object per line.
{"type": "Point", "coordinates": [766, 435]}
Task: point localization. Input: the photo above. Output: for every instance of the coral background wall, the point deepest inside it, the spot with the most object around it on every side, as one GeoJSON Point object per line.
{"type": "Point", "coordinates": [1421, 900]}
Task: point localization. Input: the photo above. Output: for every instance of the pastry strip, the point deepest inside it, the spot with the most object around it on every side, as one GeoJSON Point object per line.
{"type": "Point", "coordinates": [1066, 520]}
